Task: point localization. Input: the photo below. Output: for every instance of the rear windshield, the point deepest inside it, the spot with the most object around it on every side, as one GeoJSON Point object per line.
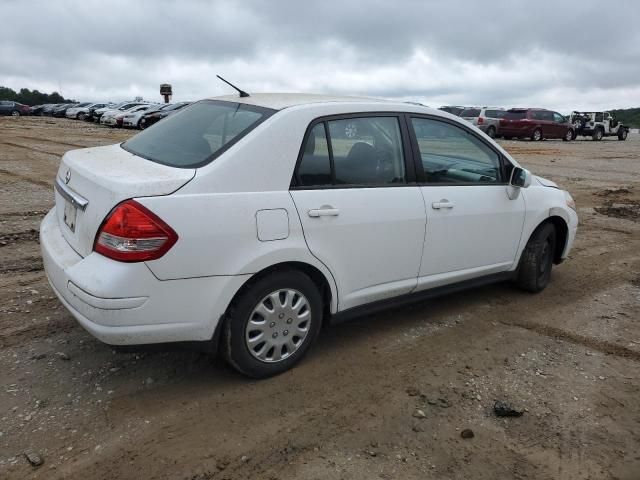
{"type": "Point", "coordinates": [470, 112]}
{"type": "Point", "coordinates": [494, 113]}
{"type": "Point", "coordinates": [196, 134]}
{"type": "Point", "coordinates": [519, 115]}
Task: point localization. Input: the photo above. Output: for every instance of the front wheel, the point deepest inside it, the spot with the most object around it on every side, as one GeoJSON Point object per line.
{"type": "Point", "coordinates": [570, 135]}
{"type": "Point", "coordinates": [15, 113]}
{"type": "Point", "coordinates": [534, 271]}
{"type": "Point", "coordinates": [622, 135]}
{"type": "Point", "coordinates": [272, 324]}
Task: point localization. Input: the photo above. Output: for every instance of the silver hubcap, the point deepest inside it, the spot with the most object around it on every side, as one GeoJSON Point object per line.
{"type": "Point", "coordinates": [278, 325]}
{"type": "Point", "coordinates": [537, 134]}
{"type": "Point", "coordinates": [15, 114]}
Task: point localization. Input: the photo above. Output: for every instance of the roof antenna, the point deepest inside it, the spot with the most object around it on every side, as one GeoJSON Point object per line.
{"type": "Point", "coordinates": [241, 92]}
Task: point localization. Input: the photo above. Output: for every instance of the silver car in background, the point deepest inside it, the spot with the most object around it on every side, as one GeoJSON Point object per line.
{"type": "Point", "coordinates": [486, 119]}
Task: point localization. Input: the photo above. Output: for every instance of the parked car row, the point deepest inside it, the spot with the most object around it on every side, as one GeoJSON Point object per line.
{"type": "Point", "coordinates": [533, 123]}
{"type": "Point", "coordinates": [130, 114]}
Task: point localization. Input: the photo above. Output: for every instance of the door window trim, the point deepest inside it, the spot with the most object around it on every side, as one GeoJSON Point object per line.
{"type": "Point", "coordinates": [420, 174]}
{"type": "Point", "coordinates": [407, 152]}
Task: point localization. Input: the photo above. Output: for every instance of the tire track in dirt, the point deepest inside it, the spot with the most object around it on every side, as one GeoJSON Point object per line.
{"type": "Point", "coordinates": [31, 149]}
{"type": "Point", "coordinates": [30, 235]}
{"type": "Point", "coordinates": [26, 178]}
{"type": "Point", "coordinates": [56, 142]}
{"type": "Point", "coordinates": [31, 213]}
{"type": "Point", "coordinates": [22, 265]}
{"type": "Point", "coordinates": [603, 346]}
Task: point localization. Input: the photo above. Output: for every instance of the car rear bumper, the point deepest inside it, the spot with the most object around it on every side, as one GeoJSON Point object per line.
{"type": "Point", "coordinates": [124, 303]}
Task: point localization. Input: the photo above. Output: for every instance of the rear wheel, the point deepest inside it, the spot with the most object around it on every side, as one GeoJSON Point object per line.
{"type": "Point", "coordinates": [81, 116]}
{"type": "Point", "coordinates": [536, 136]}
{"type": "Point", "coordinates": [597, 134]}
{"type": "Point", "coordinates": [272, 324]}
{"type": "Point", "coordinates": [15, 113]}
{"type": "Point", "coordinates": [534, 271]}
{"type": "Point", "coordinates": [491, 131]}
{"type": "Point", "coordinates": [622, 134]}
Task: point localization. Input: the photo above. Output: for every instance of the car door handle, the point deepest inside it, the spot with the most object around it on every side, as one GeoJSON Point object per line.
{"type": "Point", "coordinates": [442, 204]}
{"type": "Point", "coordinates": [324, 212]}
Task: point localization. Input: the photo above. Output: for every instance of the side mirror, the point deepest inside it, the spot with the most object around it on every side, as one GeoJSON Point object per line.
{"type": "Point", "coordinates": [520, 177]}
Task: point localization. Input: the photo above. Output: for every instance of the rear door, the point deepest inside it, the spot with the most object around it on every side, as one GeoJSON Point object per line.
{"type": "Point", "coordinates": [473, 228]}
{"type": "Point", "coordinates": [361, 214]}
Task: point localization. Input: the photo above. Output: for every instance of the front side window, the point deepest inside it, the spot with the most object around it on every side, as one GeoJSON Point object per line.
{"type": "Point", "coordinates": [363, 151]}
{"type": "Point", "coordinates": [558, 118]}
{"type": "Point", "coordinates": [195, 135]}
{"type": "Point", "coordinates": [451, 154]}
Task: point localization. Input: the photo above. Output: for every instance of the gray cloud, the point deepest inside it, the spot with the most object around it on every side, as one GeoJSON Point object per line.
{"type": "Point", "coordinates": [555, 54]}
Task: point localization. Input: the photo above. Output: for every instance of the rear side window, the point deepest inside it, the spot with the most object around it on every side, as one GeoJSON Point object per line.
{"type": "Point", "coordinates": [315, 167]}
{"type": "Point", "coordinates": [519, 115]}
{"type": "Point", "coordinates": [361, 151]}
{"type": "Point", "coordinates": [494, 113]}
{"type": "Point", "coordinates": [197, 134]}
{"type": "Point", "coordinates": [470, 112]}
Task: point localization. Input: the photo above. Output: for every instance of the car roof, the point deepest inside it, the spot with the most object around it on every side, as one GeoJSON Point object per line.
{"type": "Point", "coordinates": [279, 101]}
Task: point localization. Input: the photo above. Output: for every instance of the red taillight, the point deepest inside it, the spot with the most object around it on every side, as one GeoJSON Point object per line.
{"type": "Point", "coordinates": [132, 233]}
{"type": "Point", "coordinates": [480, 120]}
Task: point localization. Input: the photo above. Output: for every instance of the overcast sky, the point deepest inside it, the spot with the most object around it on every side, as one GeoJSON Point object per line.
{"type": "Point", "coordinates": [561, 55]}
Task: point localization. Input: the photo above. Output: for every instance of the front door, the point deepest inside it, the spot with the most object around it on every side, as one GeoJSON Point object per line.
{"type": "Point", "coordinates": [359, 215]}
{"type": "Point", "coordinates": [473, 228]}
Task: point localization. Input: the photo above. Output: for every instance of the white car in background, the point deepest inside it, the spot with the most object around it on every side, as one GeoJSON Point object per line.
{"type": "Point", "coordinates": [132, 118]}
{"type": "Point", "coordinates": [73, 111]}
{"type": "Point", "coordinates": [113, 111]}
{"type": "Point", "coordinates": [81, 111]}
{"type": "Point", "coordinates": [115, 117]}
{"type": "Point", "coordinates": [248, 222]}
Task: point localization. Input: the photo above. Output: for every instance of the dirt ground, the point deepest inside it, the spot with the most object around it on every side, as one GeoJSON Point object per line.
{"type": "Point", "coordinates": [568, 356]}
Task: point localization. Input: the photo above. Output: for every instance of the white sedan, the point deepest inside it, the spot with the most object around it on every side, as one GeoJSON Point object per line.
{"type": "Point", "coordinates": [108, 116]}
{"type": "Point", "coordinates": [131, 118]}
{"type": "Point", "coordinates": [247, 223]}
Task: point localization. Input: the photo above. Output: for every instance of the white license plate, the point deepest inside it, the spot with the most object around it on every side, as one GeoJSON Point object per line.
{"type": "Point", "coordinates": [70, 214]}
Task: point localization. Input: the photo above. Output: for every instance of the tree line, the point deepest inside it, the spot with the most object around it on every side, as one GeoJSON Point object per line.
{"type": "Point", "coordinates": [628, 116]}
{"type": "Point", "coordinates": [31, 97]}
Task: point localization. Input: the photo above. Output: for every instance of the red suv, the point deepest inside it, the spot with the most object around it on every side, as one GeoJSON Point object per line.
{"type": "Point", "coordinates": [535, 123]}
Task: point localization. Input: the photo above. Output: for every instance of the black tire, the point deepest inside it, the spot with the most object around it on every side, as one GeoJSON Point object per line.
{"type": "Point", "coordinates": [622, 134]}
{"type": "Point", "coordinates": [15, 113]}
{"type": "Point", "coordinates": [491, 131]}
{"type": "Point", "coordinates": [569, 136]}
{"type": "Point", "coordinates": [235, 348]}
{"type": "Point", "coordinates": [534, 270]}
{"type": "Point", "coordinates": [536, 136]}
{"type": "Point", "coordinates": [597, 135]}
{"type": "Point", "coordinates": [81, 116]}
{"type": "Point", "coordinates": [506, 137]}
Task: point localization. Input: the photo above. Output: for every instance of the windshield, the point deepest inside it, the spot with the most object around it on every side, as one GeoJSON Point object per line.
{"type": "Point", "coordinates": [517, 115]}
{"type": "Point", "coordinates": [197, 134]}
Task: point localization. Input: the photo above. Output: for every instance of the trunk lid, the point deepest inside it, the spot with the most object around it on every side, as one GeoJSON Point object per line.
{"type": "Point", "coordinates": [103, 177]}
